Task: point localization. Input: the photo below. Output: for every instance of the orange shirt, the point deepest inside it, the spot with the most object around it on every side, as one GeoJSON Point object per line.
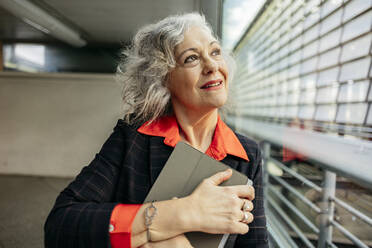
{"type": "Point", "coordinates": [224, 142]}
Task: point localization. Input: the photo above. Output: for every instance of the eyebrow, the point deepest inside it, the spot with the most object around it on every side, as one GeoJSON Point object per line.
{"type": "Point", "coordinates": [193, 49]}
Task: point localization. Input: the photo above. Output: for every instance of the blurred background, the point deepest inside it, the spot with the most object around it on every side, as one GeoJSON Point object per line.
{"type": "Point", "coordinates": [302, 91]}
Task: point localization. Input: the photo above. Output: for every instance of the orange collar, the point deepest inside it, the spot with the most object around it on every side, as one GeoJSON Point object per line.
{"type": "Point", "coordinates": [224, 139]}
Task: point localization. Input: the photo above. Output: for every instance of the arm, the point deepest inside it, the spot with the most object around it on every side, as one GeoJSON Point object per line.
{"type": "Point", "coordinates": [81, 214]}
{"type": "Point", "coordinates": [168, 223]}
{"type": "Point", "coordinates": [210, 208]}
{"type": "Point", "coordinates": [83, 211]}
{"type": "Point", "coordinates": [179, 241]}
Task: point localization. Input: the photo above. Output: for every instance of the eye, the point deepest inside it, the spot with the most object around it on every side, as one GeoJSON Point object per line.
{"type": "Point", "coordinates": [191, 58]}
{"type": "Point", "coordinates": [216, 52]}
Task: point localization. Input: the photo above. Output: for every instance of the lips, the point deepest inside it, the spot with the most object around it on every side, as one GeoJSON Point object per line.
{"type": "Point", "coordinates": [212, 83]}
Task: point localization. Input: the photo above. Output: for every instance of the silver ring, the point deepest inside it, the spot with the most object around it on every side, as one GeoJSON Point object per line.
{"type": "Point", "coordinates": [246, 216]}
{"type": "Point", "coordinates": [245, 206]}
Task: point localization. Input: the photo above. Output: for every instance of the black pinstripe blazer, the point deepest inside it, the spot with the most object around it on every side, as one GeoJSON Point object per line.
{"type": "Point", "coordinates": [123, 172]}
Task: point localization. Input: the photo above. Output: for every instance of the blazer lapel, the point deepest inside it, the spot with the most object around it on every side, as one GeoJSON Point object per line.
{"type": "Point", "coordinates": [230, 161]}
{"type": "Point", "coordinates": [158, 156]}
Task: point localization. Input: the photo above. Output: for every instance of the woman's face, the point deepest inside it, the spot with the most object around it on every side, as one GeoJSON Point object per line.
{"type": "Point", "coordinates": [199, 80]}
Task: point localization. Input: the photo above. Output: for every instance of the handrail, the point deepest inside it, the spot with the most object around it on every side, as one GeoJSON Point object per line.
{"type": "Point", "coordinates": [326, 211]}
{"type": "Point", "coordinates": [298, 194]}
{"type": "Point", "coordinates": [295, 210]}
{"type": "Point", "coordinates": [352, 210]}
{"type": "Point", "coordinates": [331, 244]}
{"type": "Point", "coordinates": [290, 223]}
{"type": "Point", "coordinates": [349, 235]}
{"type": "Point", "coordinates": [281, 237]}
{"type": "Point", "coordinates": [298, 176]}
{"type": "Point", "coordinates": [341, 203]}
{"type": "Point", "coordinates": [349, 158]}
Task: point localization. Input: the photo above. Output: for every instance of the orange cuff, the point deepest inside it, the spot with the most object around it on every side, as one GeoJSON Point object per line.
{"type": "Point", "coordinates": [120, 227]}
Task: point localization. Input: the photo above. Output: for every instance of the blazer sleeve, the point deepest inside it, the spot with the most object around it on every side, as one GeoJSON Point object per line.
{"type": "Point", "coordinates": [257, 236]}
{"type": "Point", "coordinates": [81, 214]}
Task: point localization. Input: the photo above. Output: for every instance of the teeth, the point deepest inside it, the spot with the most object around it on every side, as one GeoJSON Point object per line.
{"type": "Point", "coordinates": [212, 85]}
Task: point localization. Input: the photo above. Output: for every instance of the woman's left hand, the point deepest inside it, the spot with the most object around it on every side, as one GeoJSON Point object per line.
{"type": "Point", "coordinates": [179, 241]}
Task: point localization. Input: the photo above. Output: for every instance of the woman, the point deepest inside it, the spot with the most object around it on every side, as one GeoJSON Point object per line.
{"type": "Point", "coordinates": [175, 80]}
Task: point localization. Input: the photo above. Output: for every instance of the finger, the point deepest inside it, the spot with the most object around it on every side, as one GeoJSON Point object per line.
{"type": "Point", "coordinates": [174, 198]}
{"type": "Point", "coordinates": [247, 205]}
{"type": "Point", "coordinates": [184, 240]}
{"type": "Point", "coordinates": [246, 217]}
{"type": "Point", "coordinates": [244, 191]}
{"type": "Point", "coordinates": [219, 177]}
{"type": "Point", "coordinates": [139, 239]}
{"type": "Point", "coordinates": [242, 228]}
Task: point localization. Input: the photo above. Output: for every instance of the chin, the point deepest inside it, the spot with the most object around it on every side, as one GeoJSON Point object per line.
{"type": "Point", "coordinates": [218, 103]}
{"type": "Point", "coordinates": [222, 100]}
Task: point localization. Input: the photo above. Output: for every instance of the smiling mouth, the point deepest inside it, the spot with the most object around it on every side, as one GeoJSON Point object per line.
{"type": "Point", "coordinates": [211, 84]}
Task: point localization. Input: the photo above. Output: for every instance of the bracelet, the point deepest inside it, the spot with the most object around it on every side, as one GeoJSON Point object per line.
{"type": "Point", "coordinates": [149, 218]}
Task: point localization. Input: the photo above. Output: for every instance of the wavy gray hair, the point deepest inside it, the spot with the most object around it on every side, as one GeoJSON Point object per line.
{"type": "Point", "coordinates": [144, 67]}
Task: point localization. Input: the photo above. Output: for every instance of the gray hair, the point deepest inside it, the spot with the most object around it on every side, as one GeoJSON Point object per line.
{"type": "Point", "coordinates": [144, 67]}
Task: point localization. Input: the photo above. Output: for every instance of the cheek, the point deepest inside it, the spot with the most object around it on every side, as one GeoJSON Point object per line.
{"type": "Point", "coordinates": [190, 74]}
{"type": "Point", "coordinates": [224, 70]}
{"type": "Point", "coordinates": [178, 83]}
{"type": "Point", "coordinates": [189, 79]}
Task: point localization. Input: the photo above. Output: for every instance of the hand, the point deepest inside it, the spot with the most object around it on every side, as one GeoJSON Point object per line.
{"type": "Point", "coordinates": [179, 241]}
{"type": "Point", "coordinates": [216, 209]}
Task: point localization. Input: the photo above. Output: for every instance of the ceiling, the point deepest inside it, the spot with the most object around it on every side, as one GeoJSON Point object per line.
{"type": "Point", "coordinates": [104, 23]}
{"type": "Point", "coordinates": [12, 28]}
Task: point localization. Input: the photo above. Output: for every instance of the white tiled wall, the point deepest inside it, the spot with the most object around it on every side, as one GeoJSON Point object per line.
{"type": "Point", "coordinates": [329, 58]}
{"type": "Point", "coordinates": [356, 48]}
{"type": "Point", "coordinates": [352, 113]}
{"type": "Point", "coordinates": [306, 112]}
{"type": "Point", "coordinates": [327, 94]}
{"type": "Point", "coordinates": [310, 60]}
{"type": "Point", "coordinates": [369, 120]}
{"type": "Point", "coordinates": [357, 26]}
{"type": "Point", "coordinates": [328, 76]}
{"type": "Point", "coordinates": [330, 40]}
{"type": "Point", "coordinates": [354, 92]}
{"type": "Point", "coordinates": [325, 112]}
{"type": "Point", "coordinates": [355, 70]}
{"type": "Point", "coordinates": [355, 7]}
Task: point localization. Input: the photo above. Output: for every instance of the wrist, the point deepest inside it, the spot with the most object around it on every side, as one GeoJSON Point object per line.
{"type": "Point", "coordinates": [188, 214]}
{"type": "Point", "coordinates": [174, 217]}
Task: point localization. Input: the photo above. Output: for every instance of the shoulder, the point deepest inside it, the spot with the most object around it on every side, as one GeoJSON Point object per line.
{"type": "Point", "coordinates": [123, 134]}
{"type": "Point", "coordinates": [124, 138]}
{"type": "Point", "coordinates": [121, 125]}
{"type": "Point", "coordinates": [127, 130]}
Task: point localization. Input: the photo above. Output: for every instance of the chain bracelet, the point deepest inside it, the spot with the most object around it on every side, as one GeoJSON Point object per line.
{"type": "Point", "coordinates": [149, 217]}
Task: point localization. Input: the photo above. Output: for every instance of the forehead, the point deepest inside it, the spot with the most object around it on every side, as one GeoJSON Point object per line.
{"type": "Point", "coordinates": [195, 36]}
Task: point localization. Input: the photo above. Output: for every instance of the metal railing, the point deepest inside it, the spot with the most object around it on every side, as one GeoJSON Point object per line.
{"type": "Point", "coordinates": [275, 199]}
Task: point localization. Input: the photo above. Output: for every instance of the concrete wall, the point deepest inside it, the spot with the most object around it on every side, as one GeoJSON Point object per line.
{"type": "Point", "coordinates": [53, 124]}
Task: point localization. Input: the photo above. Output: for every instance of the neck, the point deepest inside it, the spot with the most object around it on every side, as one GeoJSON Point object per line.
{"type": "Point", "coordinates": [197, 128]}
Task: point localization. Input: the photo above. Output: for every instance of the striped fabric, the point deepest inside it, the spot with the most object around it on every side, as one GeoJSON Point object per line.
{"type": "Point", "coordinates": [123, 172]}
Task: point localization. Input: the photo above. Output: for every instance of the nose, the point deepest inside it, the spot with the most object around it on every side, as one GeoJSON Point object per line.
{"type": "Point", "coordinates": [210, 65]}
